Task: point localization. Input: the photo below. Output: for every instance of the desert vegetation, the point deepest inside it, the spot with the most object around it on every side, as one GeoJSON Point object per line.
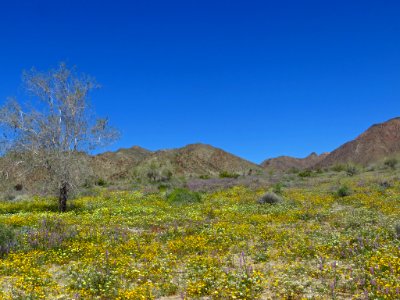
{"type": "Point", "coordinates": [189, 223]}
{"type": "Point", "coordinates": [330, 236]}
{"type": "Point", "coordinates": [47, 138]}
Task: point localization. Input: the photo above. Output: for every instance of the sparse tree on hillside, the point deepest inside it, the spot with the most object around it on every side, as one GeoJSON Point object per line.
{"type": "Point", "coordinates": [50, 136]}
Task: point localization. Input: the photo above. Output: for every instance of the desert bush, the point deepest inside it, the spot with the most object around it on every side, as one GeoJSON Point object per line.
{"type": "Point", "coordinates": [384, 184]}
{"type": "Point", "coordinates": [101, 182]}
{"type": "Point", "coordinates": [162, 187]}
{"type": "Point", "coordinates": [277, 188]}
{"type": "Point", "coordinates": [166, 175]}
{"type": "Point", "coordinates": [305, 173]}
{"type": "Point", "coordinates": [18, 187]}
{"type": "Point", "coordinates": [338, 168]}
{"type": "Point", "coordinates": [183, 196]}
{"type": "Point", "coordinates": [88, 183]}
{"type": "Point", "coordinates": [351, 170]}
{"type": "Point", "coordinates": [7, 239]}
{"type": "Point", "coordinates": [397, 229]}
{"type": "Point", "coordinates": [159, 175]}
{"type": "Point", "coordinates": [370, 168]}
{"type": "Point", "coordinates": [270, 198]}
{"type": "Point", "coordinates": [391, 163]}
{"type": "Point", "coordinates": [343, 191]}
{"type": "Point", "coordinates": [225, 174]}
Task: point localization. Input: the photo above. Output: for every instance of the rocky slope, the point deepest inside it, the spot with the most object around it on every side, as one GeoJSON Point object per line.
{"type": "Point", "coordinates": [195, 160]}
{"type": "Point", "coordinates": [378, 142]}
{"type": "Point", "coordinates": [286, 163]}
{"type": "Point", "coordinates": [119, 164]}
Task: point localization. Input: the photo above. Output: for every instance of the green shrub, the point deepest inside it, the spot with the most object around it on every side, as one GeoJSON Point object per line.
{"type": "Point", "coordinates": [183, 196]}
{"type": "Point", "coordinates": [204, 176]}
{"type": "Point", "coordinates": [384, 184]}
{"type": "Point", "coordinates": [391, 163]}
{"type": "Point", "coordinates": [277, 188]}
{"type": "Point", "coordinates": [319, 171]}
{"type": "Point", "coordinates": [351, 170]}
{"type": "Point", "coordinates": [163, 187]}
{"type": "Point", "coordinates": [18, 187]}
{"type": "Point", "coordinates": [370, 168]}
{"type": "Point", "coordinates": [338, 168]}
{"type": "Point", "coordinates": [88, 183]}
{"type": "Point", "coordinates": [225, 174]}
{"type": "Point", "coordinates": [7, 239]}
{"type": "Point", "coordinates": [101, 182]}
{"type": "Point", "coordinates": [305, 173]}
{"type": "Point", "coordinates": [270, 198]}
{"type": "Point", "coordinates": [343, 191]}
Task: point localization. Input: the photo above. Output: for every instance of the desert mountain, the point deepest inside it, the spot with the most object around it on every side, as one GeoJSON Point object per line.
{"type": "Point", "coordinates": [118, 164]}
{"type": "Point", "coordinates": [285, 163]}
{"type": "Point", "coordinates": [195, 160]}
{"type": "Point", "coordinates": [378, 142]}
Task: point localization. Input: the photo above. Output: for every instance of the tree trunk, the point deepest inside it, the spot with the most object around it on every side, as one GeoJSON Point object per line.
{"type": "Point", "coordinates": [62, 199]}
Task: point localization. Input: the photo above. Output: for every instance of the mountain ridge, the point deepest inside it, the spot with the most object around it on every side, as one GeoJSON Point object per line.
{"type": "Point", "coordinates": [379, 141]}
{"type": "Point", "coordinates": [284, 163]}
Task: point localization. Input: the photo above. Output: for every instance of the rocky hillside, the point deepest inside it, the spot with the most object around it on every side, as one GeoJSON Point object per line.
{"type": "Point", "coordinates": [195, 160]}
{"type": "Point", "coordinates": [119, 164]}
{"type": "Point", "coordinates": [285, 163]}
{"type": "Point", "coordinates": [378, 142]}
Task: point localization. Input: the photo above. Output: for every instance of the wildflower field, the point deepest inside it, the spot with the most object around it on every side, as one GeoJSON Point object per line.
{"type": "Point", "coordinates": [317, 243]}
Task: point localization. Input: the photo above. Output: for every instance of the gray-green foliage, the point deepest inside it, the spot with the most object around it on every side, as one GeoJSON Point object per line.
{"type": "Point", "coordinates": [351, 170]}
{"type": "Point", "coordinates": [183, 196]}
{"type": "Point", "coordinates": [226, 174]}
{"type": "Point", "coordinates": [391, 163]}
{"type": "Point", "coordinates": [343, 191]}
{"type": "Point", "coordinates": [270, 198]}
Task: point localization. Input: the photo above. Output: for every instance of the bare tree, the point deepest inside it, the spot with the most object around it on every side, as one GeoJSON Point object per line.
{"type": "Point", "coordinates": [53, 134]}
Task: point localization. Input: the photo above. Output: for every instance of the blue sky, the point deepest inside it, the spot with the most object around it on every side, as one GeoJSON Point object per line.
{"type": "Point", "coordinates": [256, 78]}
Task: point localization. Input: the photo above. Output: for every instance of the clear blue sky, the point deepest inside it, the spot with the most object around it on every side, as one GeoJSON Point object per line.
{"type": "Point", "coordinates": [256, 78]}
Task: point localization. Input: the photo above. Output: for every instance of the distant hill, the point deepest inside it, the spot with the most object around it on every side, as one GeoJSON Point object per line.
{"type": "Point", "coordinates": [378, 142]}
{"type": "Point", "coordinates": [285, 163]}
{"type": "Point", "coordinates": [126, 164]}
{"type": "Point", "coordinates": [196, 160]}
{"type": "Point", "coordinates": [119, 164]}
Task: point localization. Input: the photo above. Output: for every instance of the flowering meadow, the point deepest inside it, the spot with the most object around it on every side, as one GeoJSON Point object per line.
{"type": "Point", "coordinates": [316, 243]}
